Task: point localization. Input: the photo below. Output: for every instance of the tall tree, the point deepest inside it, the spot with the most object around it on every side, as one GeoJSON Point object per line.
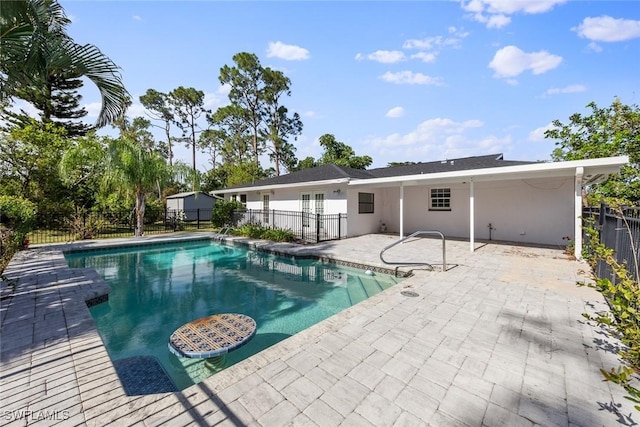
{"type": "Point", "coordinates": [188, 106]}
{"type": "Point", "coordinates": [608, 131]}
{"type": "Point", "coordinates": [82, 168]}
{"type": "Point", "coordinates": [59, 103]}
{"type": "Point", "coordinates": [339, 153]}
{"type": "Point", "coordinates": [29, 164]}
{"type": "Point", "coordinates": [232, 128]}
{"type": "Point", "coordinates": [36, 50]}
{"type": "Point", "coordinates": [160, 108]}
{"type": "Point", "coordinates": [247, 92]}
{"type": "Point", "coordinates": [279, 125]}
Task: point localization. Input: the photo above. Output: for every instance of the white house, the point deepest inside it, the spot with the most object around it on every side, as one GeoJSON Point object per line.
{"type": "Point", "coordinates": [483, 197]}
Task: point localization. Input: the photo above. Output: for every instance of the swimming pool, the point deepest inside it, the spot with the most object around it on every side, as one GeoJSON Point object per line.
{"type": "Point", "coordinates": [157, 289]}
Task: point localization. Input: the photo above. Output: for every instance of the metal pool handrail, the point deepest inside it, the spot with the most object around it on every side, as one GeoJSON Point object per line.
{"type": "Point", "coordinates": [417, 233]}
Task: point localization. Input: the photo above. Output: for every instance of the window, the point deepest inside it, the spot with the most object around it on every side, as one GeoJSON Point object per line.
{"type": "Point", "coordinates": [265, 208]}
{"type": "Point", "coordinates": [440, 199]}
{"type": "Point", "coordinates": [306, 209]}
{"type": "Point", "coordinates": [243, 199]}
{"type": "Point", "coordinates": [365, 203]}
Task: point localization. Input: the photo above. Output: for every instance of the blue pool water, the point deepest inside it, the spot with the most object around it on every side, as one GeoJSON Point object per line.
{"type": "Point", "coordinates": [157, 289]}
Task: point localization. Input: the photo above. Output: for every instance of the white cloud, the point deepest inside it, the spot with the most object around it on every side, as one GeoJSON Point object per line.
{"type": "Point", "coordinates": [566, 89]}
{"type": "Point", "coordinates": [93, 109]}
{"type": "Point", "coordinates": [438, 138]}
{"type": "Point", "coordinates": [595, 47]}
{"type": "Point", "coordinates": [214, 100]}
{"type": "Point", "coordinates": [425, 56]}
{"type": "Point", "coordinates": [498, 21]}
{"type": "Point", "coordinates": [409, 77]}
{"type": "Point", "coordinates": [430, 47]}
{"type": "Point", "coordinates": [287, 52]}
{"type": "Point", "coordinates": [495, 13]}
{"type": "Point", "coordinates": [456, 35]}
{"type": "Point", "coordinates": [608, 29]}
{"type": "Point", "coordinates": [383, 56]}
{"type": "Point", "coordinates": [395, 112]}
{"type": "Point", "coordinates": [137, 18]}
{"type": "Point", "coordinates": [510, 61]}
{"type": "Point", "coordinates": [224, 89]}
{"type": "Point", "coordinates": [309, 114]}
{"type": "Point", "coordinates": [537, 135]}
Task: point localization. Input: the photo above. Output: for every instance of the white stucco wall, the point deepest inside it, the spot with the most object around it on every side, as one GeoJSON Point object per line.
{"type": "Point", "coordinates": [289, 199]}
{"type": "Point", "coordinates": [529, 211]}
{"type": "Point", "coordinates": [538, 211]}
{"type": "Point", "coordinates": [359, 224]}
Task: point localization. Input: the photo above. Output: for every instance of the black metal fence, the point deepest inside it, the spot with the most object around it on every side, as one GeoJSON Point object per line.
{"type": "Point", "coordinates": [59, 228]}
{"type": "Point", "coordinates": [56, 228]}
{"type": "Point", "coordinates": [307, 227]}
{"type": "Point", "coordinates": [620, 231]}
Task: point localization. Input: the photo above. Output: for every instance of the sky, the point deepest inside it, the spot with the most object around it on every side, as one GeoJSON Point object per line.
{"type": "Point", "coordinates": [396, 80]}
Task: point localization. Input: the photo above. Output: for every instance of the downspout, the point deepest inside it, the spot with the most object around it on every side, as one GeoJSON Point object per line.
{"type": "Point", "coordinates": [578, 213]}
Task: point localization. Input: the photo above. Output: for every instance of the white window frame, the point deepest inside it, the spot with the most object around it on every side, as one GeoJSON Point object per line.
{"type": "Point", "coordinates": [372, 203]}
{"type": "Point", "coordinates": [311, 203]}
{"type": "Point", "coordinates": [440, 199]}
{"type": "Point", "coordinates": [265, 208]}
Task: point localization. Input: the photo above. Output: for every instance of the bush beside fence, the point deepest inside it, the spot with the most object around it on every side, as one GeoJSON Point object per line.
{"type": "Point", "coordinates": [617, 230]}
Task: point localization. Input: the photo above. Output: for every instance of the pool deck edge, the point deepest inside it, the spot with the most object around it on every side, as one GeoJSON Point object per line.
{"type": "Point", "coordinates": [434, 359]}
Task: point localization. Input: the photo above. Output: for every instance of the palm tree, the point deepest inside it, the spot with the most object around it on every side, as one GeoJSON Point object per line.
{"type": "Point", "coordinates": [133, 169]}
{"type": "Point", "coordinates": [35, 48]}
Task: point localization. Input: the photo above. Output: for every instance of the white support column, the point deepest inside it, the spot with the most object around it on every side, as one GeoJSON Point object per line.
{"type": "Point", "coordinates": [401, 211]}
{"type": "Point", "coordinates": [578, 214]}
{"type": "Point", "coordinates": [472, 219]}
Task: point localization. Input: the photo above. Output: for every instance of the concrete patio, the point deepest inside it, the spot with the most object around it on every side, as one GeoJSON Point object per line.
{"type": "Point", "coordinates": [497, 340]}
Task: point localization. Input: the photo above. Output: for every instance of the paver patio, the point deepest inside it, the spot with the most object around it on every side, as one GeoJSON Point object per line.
{"type": "Point", "coordinates": [497, 340]}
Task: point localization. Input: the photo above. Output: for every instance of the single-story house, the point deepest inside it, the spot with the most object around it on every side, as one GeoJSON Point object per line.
{"type": "Point", "coordinates": [194, 205]}
{"type": "Point", "coordinates": [482, 197]}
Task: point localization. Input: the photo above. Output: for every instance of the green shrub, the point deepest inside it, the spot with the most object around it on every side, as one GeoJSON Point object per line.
{"type": "Point", "coordinates": [17, 217]}
{"type": "Point", "coordinates": [250, 229]}
{"type": "Point", "coordinates": [221, 216]}
{"type": "Point", "coordinates": [278, 235]}
{"type": "Point", "coordinates": [85, 225]}
{"type": "Point", "coordinates": [623, 298]}
{"type": "Point", "coordinates": [153, 211]}
{"type": "Point", "coordinates": [258, 231]}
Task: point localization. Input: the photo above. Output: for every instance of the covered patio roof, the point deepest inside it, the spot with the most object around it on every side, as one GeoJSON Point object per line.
{"type": "Point", "coordinates": [585, 172]}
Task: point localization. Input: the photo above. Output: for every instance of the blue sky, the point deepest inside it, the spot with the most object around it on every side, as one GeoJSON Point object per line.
{"type": "Point", "coordinates": [399, 81]}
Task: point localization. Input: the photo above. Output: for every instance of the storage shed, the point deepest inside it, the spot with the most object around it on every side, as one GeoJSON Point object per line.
{"type": "Point", "coordinates": [194, 205]}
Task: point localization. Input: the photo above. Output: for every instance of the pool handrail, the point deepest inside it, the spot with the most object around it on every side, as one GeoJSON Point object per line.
{"type": "Point", "coordinates": [417, 233]}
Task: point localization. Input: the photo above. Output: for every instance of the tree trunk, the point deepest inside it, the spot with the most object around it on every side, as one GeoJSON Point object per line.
{"type": "Point", "coordinates": [140, 205]}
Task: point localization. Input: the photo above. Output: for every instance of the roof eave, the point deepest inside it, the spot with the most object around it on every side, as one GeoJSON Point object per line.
{"type": "Point", "coordinates": [592, 167]}
{"type": "Point", "coordinates": [283, 186]}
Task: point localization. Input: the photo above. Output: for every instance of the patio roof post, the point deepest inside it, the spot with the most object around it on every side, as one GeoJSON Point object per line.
{"type": "Point", "coordinates": [472, 220]}
{"type": "Point", "coordinates": [401, 210]}
{"type": "Point", "coordinates": [578, 214]}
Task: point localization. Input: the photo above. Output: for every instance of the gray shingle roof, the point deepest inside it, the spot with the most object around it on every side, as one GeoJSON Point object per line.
{"type": "Point", "coordinates": [452, 165]}
{"type": "Point", "coordinates": [187, 194]}
{"type": "Point", "coordinates": [320, 173]}
{"type": "Point", "coordinates": [329, 172]}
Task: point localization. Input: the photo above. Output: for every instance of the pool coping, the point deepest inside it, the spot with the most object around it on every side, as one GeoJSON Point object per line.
{"type": "Point", "coordinates": [53, 357]}
{"type": "Point", "coordinates": [96, 387]}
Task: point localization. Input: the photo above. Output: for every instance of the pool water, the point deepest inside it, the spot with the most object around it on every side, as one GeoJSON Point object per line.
{"type": "Point", "coordinates": [157, 289]}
